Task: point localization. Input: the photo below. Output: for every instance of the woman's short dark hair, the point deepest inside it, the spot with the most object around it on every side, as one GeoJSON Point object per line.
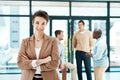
{"type": "Point", "coordinates": [57, 32]}
{"type": "Point", "coordinates": [81, 21]}
{"type": "Point", "coordinates": [41, 13]}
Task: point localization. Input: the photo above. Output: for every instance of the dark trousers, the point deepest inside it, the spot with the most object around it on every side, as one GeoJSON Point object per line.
{"type": "Point", "coordinates": [81, 56]}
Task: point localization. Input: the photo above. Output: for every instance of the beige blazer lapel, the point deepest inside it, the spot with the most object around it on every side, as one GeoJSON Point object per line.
{"type": "Point", "coordinates": [44, 46]}
{"type": "Point", "coordinates": [32, 46]}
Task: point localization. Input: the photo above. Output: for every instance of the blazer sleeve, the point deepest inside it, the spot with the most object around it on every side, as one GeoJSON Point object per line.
{"type": "Point", "coordinates": [55, 61]}
{"type": "Point", "coordinates": [23, 61]}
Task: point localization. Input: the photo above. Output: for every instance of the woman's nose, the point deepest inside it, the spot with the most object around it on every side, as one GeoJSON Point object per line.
{"type": "Point", "coordinates": [39, 25]}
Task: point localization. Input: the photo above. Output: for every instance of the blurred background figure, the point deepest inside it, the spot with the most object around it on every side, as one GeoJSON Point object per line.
{"type": "Point", "coordinates": [59, 35]}
{"type": "Point", "coordinates": [99, 53]}
{"type": "Point", "coordinates": [83, 43]}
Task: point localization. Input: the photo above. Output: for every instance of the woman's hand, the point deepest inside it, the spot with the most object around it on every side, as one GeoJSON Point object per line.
{"type": "Point", "coordinates": [42, 61]}
{"type": "Point", "coordinates": [47, 59]}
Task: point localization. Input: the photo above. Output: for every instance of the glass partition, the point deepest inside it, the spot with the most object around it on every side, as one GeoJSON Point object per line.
{"type": "Point", "coordinates": [12, 30]}
{"type": "Point", "coordinates": [114, 9]}
{"type": "Point", "coordinates": [115, 44]}
{"type": "Point", "coordinates": [10, 7]}
{"type": "Point", "coordinates": [56, 25]}
{"type": "Point", "coordinates": [53, 8]}
{"type": "Point", "coordinates": [89, 9]}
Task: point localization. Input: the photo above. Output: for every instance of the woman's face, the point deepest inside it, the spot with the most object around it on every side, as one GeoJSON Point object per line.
{"type": "Point", "coordinates": [39, 24]}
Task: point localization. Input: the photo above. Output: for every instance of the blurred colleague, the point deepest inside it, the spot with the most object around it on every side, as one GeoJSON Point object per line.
{"type": "Point", "coordinates": [83, 43]}
{"type": "Point", "coordinates": [59, 35]}
{"type": "Point", "coordinates": [99, 53]}
{"type": "Point", "coordinates": [39, 54]}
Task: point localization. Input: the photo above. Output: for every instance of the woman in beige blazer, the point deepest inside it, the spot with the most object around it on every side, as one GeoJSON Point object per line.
{"type": "Point", "coordinates": [39, 56]}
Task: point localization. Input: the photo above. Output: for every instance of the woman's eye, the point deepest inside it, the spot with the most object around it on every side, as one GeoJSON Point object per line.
{"type": "Point", "coordinates": [37, 22]}
{"type": "Point", "coordinates": [43, 23]}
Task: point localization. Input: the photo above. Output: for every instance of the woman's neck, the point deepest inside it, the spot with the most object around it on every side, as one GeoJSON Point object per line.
{"type": "Point", "coordinates": [39, 36]}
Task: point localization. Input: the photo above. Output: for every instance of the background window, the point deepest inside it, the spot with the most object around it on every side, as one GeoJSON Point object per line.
{"type": "Point", "coordinates": [56, 25]}
{"type": "Point", "coordinates": [114, 9]}
{"type": "Point", "coordinates": [53, 8]}
{"type": "Point", "coordinates": [13, 31]}
{"type": "Point", "coordinates": [89, 9]}
{"type": "Point", "coordinates": [10, 7]}
{"type": "Point", "coordinates": [114, 44]}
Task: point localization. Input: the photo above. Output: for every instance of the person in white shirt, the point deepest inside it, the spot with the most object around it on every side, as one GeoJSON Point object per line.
{"type": "Point", "coordinates": [59, 35]}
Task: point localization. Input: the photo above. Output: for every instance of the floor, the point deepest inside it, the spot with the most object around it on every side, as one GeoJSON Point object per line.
{"type": "Point", "coordinates": [109, 76]}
